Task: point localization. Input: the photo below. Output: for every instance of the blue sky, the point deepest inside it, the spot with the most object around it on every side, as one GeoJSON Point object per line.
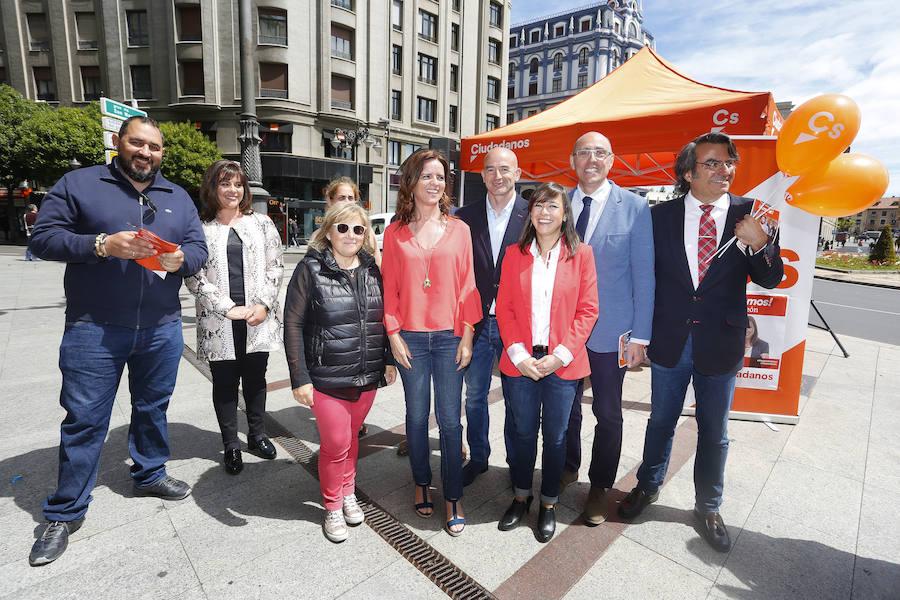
{"type": "Point", "coordinates": [797, 50]}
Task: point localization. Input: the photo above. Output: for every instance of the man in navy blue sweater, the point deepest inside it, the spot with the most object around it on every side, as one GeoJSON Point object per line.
{"type": "Point", "coordinates": [117, 313]}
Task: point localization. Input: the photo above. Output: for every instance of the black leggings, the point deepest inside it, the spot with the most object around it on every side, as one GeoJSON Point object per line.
{"type": "Point", "coordinates": [250, 371]}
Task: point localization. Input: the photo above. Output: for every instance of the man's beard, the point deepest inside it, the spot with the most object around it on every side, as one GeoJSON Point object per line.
{"type": "Point", "coordinates": [138, 176]}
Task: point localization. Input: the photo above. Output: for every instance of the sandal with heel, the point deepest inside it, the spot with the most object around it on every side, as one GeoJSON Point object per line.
{"type": "Point", "coordinates": [425, 504]}
{"type": "Point", "coordinates": [456, 520]}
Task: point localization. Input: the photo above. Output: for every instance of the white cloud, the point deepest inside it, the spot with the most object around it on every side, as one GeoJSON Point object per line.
{"type": "Point", "coordinates": [797, 50]}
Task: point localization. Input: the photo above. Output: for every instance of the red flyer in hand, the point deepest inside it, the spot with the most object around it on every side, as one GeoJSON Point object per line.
{"type": "Point", "coordinates": [160, 245]}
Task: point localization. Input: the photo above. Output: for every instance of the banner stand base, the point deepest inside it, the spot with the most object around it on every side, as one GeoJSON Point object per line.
{"type": "Point", "coordinates": [752, 416]}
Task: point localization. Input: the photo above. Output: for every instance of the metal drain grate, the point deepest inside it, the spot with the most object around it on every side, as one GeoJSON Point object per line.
{"type": "Point", "coordinates": [452, 580]}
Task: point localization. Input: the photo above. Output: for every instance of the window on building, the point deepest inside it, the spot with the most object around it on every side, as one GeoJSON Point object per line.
{"type": "Point", "coordinates": [884, 213]}
{"type": "Point", "coordinates": [396, 104]}
{"type": "Point", "coordinates": [44, 84]}
{"type": "Point", "coordinates": [394, 152]}
{"type": "Point", "coordinates": [584, 24]}
{"type": "Point", "coordinates": [533, 66]}
{"type": "Point", "coordinates": [493, 89]}
{"type": "Point", "coordinates": [557, 84]}
{"type": "Point", "coordinates": [190, 28]}
{"type": "Point", "coordinates": [614, 59]}
{"type": "Point", "coordinates": [427, 26]}
{"type": "Point", "coordinates": [532, 112]}
{"type": "Point", "coordinates": [426, 109]}
{"type": "Point", "coordinates": [138, 33]}
{"type": "Point", "coordinates": [492, 122]}
{"type": "Point", "coordinates": [427, 69]}
{"type": "Point", "coordinates": [559, 31]}
{"type": "Point", "coordinates": [557, 61]}
{"type": "Point", "coordinates": [617, 27]}
{"type": "Point", "coordinates": [454, 37]}
{"type": "Point", "coordinates": [455, 5]}
{"type": "Point", "coordinates": [511, 92]}
{"type": "Point", "coordinates": [348, 4]}
{"type": "Point", "coordinates": [397, 59]}
{"type": "Point", "coordinates": [140, 82]}
{"type": "Point", "coordinates": [495, 51]}
{"type": "Point", "coordinates": [513, 41]}
{"type": "Point", "coordinates": [341, 92]}
{"type": "Point", "coordinates": [274, 137]}
{"type": "Point", "coordinates": [454, 78]}
{"type": "Point", "coordinates": [512, 71]}
{"type": "Point", "coordinates": [3, 75]}
{"type": "Point", "coordinates": [583, 57]}
{"type": "Point", "coordinates": [410, 149]}
{"type": "Point", "coordinates": [397, 15]}
{"type": "Point", "coordinates": [453, 119]}
{"type": "Point", "coordinates": [273, 80]}
{"type": "Point", "coordinates": [535, 36]}
{"type": "Point", "coordinates": [90, 83]}
{"type": "Point", "coordinates": [632, 31]}
{"type": "Point", "coordinates": [38, 33]}
{"type": "Point", "coordinates": [510, 118]}
{"type": "Point", "coordinates": [273, 26]}
{"type": "Point", "coordinates": [192, 78]}
{"type": "Point", "coordinates": [582, 80]}
{"type": "Point", "coordinates": [341, 42]}
{"type": "Point", "coordinates": [883, 221]}
{"type": "Point", "coordinates": [495, 15]}
{"type": "Point", "coordinates": [86, 25]}
{"type": "Point", "coordinates": [532, 88]}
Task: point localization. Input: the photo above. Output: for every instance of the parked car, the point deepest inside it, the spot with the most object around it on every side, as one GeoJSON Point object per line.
{"type": "Point", "coordinates": [380, 221]}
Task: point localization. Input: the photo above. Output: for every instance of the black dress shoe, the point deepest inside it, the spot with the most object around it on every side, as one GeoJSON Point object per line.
{"type": "Point", "coordinates": [713, 529]}
{"type": "Point", "coordinates": [264, 446]}
{"type": "Point", "coordinates": [514, 514]}
{"type": "Point", "coordinates": [546, 525]}
{"type": "Point", "coordinates": [53, 541]}
{"type": "Point", "coordinates": [234, 464]}
{"type": "Point", "coordinates": [471, 471]}
{"type": "Point", "coordinates": [167, 488]}
{"type": "Point", "coordinates": [635, 502]}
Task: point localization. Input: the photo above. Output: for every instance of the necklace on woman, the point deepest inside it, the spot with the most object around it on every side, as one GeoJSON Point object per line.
{"type": "Point", "coordinates": [426, 283]}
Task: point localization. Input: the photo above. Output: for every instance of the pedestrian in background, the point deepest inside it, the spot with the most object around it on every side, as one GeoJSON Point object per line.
{"type": "Point", "coordinates": [337, 352]}
{"type": "Point", "coordinates": [117, 312]}
{"type": "Point", "coordinates": [344, 189]}
{"type": "Point", "coordinates": [430, 307]}
{"type": "Point", "coordinates": [238, 315]}
{"type": "Point", "coordinates": [29, 219]}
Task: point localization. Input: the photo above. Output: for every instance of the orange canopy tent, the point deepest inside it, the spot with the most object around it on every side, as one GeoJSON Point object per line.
{"type": "Point", "coordinates": [649, 111]}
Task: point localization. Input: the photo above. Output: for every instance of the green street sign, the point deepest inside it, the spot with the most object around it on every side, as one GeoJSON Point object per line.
{"type": "Point", "coordinates": [119, 110]}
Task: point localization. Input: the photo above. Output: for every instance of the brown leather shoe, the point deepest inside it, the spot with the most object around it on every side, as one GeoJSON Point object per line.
{"type": "Point", "coordinates": [596, 510]}
{"type": "Point", "coordinates": [568, 478]}
{"type": "Point", "coordinates": [713, 529]}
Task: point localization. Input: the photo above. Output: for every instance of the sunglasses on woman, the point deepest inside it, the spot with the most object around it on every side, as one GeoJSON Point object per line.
{"type": "Point", "coordinates": [344, 228]}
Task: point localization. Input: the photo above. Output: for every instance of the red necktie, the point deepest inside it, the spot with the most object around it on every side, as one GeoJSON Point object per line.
{"type": "Point", "coordinates": [706, 242]}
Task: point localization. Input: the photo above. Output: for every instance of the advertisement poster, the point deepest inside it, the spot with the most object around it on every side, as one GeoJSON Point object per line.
{"type": "Point", "coordinates": [764, 342]}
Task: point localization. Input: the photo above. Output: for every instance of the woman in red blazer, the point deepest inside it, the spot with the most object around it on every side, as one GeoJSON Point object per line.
{"type": "Point", "coordinates": [546, 309]}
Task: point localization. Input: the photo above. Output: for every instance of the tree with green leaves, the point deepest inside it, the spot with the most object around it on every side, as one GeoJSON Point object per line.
{"type": "Point", "coordinates": [188, 154]}
{"type": "Point", "coordinates": [844, 224]}
{"type": "Point", "coordinates": [18, 137]}
{"type": "Point", "coordinates": [883, 250]}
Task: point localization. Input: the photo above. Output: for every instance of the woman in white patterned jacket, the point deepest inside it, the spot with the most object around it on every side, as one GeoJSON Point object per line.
{"type": "Point", "coordinates": [238, 316]}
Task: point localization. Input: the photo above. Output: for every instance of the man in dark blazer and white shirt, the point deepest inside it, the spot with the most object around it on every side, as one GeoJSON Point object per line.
{"type": "Point", "coordinates": [615, 223]}
{"type": "Point", "coordinates": [495, 223]}
{"type": "Point", "coordinates": [700, 321]}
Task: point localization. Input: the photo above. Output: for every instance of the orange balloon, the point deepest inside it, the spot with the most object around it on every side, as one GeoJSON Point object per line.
{"type": "Point", "coordinates": [817, 131]}
{"type": "Point", "coordinates": [845, 186]}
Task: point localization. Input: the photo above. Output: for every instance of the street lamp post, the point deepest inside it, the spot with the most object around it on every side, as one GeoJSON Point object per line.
{"type": "Point", "coordinates": [249, 136]}
{"type": "Point", "coordinates": [352, 138]}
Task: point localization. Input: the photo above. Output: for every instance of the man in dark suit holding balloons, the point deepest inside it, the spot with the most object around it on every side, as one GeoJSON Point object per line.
{"type": "Point", "coordinates": [700, 320]}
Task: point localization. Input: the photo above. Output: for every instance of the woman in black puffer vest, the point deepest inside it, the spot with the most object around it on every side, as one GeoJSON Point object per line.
{"type": "Point", "coordinates": [337, 351]}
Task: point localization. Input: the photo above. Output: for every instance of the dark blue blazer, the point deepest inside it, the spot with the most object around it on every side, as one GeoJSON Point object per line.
{"type": "Point", "coordinates": [715, 314]}
{"type": "Point", "coordinates": [487, 274]}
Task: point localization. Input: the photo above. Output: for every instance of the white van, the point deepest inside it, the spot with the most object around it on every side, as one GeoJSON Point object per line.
{"type": "Point", "coordinates": [380, 221]}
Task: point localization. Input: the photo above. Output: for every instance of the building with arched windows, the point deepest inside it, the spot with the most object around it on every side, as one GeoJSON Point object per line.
{"type": "Point", "coordinates": [556, 56]}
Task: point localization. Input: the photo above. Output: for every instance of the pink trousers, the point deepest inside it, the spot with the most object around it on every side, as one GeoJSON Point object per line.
{"type": "Point", "coordinates": [339, 422]}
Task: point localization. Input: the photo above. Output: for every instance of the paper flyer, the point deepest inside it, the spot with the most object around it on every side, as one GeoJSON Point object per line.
{"type": "Point", "coordinates": [623, 344]}
{"type": "Point", "coordinates": [161, 246]}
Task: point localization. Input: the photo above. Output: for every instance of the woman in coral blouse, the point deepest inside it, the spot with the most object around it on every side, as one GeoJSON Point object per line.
{"type": "Point", "coordinates": [430, 308]}
{"type": "Point", "coordinates": [546, 309]}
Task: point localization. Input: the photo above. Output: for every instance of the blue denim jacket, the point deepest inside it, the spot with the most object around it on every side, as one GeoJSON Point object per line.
{"type": "Point", "coordinates": [113, 291]}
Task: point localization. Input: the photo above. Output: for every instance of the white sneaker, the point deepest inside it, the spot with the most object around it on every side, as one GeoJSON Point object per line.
{"type": "Point", "coordinates": [352, 512]}
{"type": "Point", "coordinates": [334, 526]}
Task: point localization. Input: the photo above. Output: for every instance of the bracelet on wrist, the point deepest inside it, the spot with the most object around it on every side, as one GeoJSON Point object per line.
{"type": "Point", "coordinates": [100, 245]}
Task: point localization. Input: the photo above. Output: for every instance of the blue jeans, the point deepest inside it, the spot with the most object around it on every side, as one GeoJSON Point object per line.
{"type": "Point", "coordinates": [485, 352]}
{"type": "Point", "coordinates": [713, 394]}
{"type": "Point", "coordinates": [434, 357]}
{"type": "Point", "coordinates": [545, 403]}
{"type": "Point", "coordinates": [91, 358]}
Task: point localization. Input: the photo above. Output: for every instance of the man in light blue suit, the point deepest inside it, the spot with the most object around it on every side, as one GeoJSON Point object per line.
{"type": "Point", "coordinates": [616, 224]}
